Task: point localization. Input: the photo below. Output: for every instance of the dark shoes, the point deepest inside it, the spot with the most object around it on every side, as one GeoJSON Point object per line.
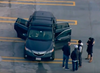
{"type": "Point", "coordinates": [66, 68]}
{"type": "Point", "coordinates": [80, 66]}
{"type": "Point", "coordinates": [74, 70]}
{"type": "Point", "coordinates": [90, 61]}
{"type": "Point", "coordinates": [86, 58]}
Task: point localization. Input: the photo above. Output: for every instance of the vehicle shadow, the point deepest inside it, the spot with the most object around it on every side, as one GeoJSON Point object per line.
{"type": "Point", "coordinates": [41, 69]}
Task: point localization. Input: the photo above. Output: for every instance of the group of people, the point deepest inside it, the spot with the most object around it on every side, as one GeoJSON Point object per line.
{"type": "Point", "coordinates": [76, 54]}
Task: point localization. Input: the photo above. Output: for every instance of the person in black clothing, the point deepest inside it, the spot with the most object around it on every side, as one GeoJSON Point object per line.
{"type": "Point", "coordinates": [80, 49]}
{"type": "Point", "coordinates": [90, 44]}
{"type": "Point", "coordinates": [66, 53]}
{"type": "Point", "coordinates": [74, 57]}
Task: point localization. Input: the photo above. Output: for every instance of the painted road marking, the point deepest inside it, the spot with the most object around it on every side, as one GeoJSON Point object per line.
{"type": "Point", "coordinates": [23, 60]}
{"type": "Point", "coordinates": [74, 21]}
{"type": "Point", "coordinates": [14, 39]}
{"type": "Point", "coordinates": [33, 61]}
{"type": "Point", "coordinates": [12, 57]}
{"type": "Point", "coordinates": [9, 38]}
{"type": "Point", "coordinates": [46, 1]}
{"type": "Point", "coordinates": [11, 20]}
{"type": "Point", "coordinates": [0, 58]}
{"type": "Point", "coordinates": [24, 41]}
{"type": "Point", "coordinates": [7, 57]}
{"type": "Point", "coordinates": [72, 3]}
{"type": "Point", "coordinates": [11, 41]}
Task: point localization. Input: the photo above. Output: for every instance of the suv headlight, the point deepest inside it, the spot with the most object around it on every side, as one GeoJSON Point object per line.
{"type": "Point", "coordinates": [27, 49]}
{"type": "Point", "coordinates": [50, 51]}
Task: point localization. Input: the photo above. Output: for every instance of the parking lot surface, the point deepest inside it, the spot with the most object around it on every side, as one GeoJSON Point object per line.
{"type": "Point", "coordinates": [83, 17]}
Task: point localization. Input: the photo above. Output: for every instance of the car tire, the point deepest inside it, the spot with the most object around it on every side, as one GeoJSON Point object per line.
{"type": "Point", "coordinates": [25, 56]}
{"type": "Point", "coordinates": [52, 59]}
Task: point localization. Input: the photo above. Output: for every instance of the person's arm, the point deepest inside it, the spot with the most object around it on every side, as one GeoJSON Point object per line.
{"type": "Point", "coordinates": [87, 42]}
{"type": "Point", "coordinates": [71, 55]}
{"type": "Point", "coordinates": [63, 48]}
{"type": "Point", "coordinates": [81, 44]}
{"type": "Point", "coordinates": [93, 42]}
{"type": "Point", "coordinates": [68, 50]}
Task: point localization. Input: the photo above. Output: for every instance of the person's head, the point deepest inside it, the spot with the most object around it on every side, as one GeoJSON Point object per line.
{"type": "Point", "coordinates": [92, 40]}
{"type": "Point", "coordinates": [79, 41]}
{"type": "Point", "coordinates": [76, 47]}
{"type": "Point", "coordinates": [89, 38]}
{"type": "Point", "coordinates": [69, 43]}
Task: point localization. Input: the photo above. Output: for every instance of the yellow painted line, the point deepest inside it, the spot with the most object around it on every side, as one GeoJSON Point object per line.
{"type": "Point", "coordinates": [20, 38]}
{"type": "Point", "coordinates": [1, 39]}
{"type": "Point", "coordinates": [12, 57]}
{"type": "Point", "coordinates": [9, 38]}
{"type": "Point", "coordinates": [62, 59]}
{"type": "Point", "coordinates": [34, 61]}
{"type": "Point", "coordinates": [74, 43]}
{"type": "Point", "coordinates": [74, 21]}
{"type": "Point", "coordinates": [5, 21]}
{"type": "Point", "coordinates": [23, 58]}
{"type": "Point", "coordinates": [47, 1]}
{"type": "Point", "coordinates": [9, 18]}
{"type": "Point", "coordinates": [22, 41]}
{"type": "Point", "coordinates": [37, 3]}
{"type": "Point", "coordinates": [74, 40]}
{"type": "Point", "coordinates": [10, 41]}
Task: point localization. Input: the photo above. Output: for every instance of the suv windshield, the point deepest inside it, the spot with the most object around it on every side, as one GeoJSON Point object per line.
{"type": "Point", "coordinates": [40, 35]}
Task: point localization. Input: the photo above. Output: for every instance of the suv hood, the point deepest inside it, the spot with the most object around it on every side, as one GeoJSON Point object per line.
{"type": "Point", "coordinates": [36, 45]}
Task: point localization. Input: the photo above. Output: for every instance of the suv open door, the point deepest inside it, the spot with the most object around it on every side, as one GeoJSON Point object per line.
{"type": "Point", "coordinates": [62, 35]}
{"type": "Point", "coordinates": [21, 28]}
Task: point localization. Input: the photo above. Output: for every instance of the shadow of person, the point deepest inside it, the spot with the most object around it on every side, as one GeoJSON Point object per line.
{"type": "Point", "coordinates": [41, 69]}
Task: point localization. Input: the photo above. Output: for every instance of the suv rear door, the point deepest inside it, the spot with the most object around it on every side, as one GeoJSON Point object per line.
{"type": "Point", "coordinates": [62, 35]}
{"type": "Point", "coordinates": [21, 28]}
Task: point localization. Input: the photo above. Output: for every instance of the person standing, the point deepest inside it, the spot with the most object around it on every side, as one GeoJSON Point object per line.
{"type": "Point", "coordinates": [80, 49]}
{"type": "Point", "coordinates": [74, 57]}
{"type": "Point", "coordinates": [90, 44]}
{"type": "Point", "coordinates": [66, 53]}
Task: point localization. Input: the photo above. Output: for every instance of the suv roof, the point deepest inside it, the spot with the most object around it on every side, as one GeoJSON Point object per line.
{"type": "Point", "coordinates": [41, 23]}
{"type": "Point", "coordinates": [43, 14]}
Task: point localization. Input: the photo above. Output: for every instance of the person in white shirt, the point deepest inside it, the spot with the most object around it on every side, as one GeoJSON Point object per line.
{"type": "Point", "coordinates": [80, 49]}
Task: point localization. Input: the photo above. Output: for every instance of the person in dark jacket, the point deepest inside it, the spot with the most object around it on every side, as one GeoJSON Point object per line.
{"type": "Point", "coordinates": [74, 57]}
{"type": "Point", "coordinates": [80, 49]}
{"type": "Point", "coordinates": [66, 53]}
{"type": "Point", "coordinates": [90, 44]}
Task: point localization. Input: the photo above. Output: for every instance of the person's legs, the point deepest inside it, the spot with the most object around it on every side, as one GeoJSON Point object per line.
{"type": "Point", "coordinates": [80, 60]}
{"type": "Point", "coordinates": [63, 60]}
{"type": "Point", "coordinates": [88, 56]}
{"type": "Point", "coordinates": [67, 58]}
{"type": "Point", "coordinates": [91, 58]}
{"type": "Point", "coordinates": [76, 65]}
{"type": "Point", "coordinates": [73, 65]}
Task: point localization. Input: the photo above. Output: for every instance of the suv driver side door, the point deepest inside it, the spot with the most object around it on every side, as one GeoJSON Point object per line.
{"type": "Point", "coordinates": [21, 28]}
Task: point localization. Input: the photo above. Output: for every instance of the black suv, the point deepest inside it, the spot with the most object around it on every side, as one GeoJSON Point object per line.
{"type": "Point", "coordinates": [42, 34]}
